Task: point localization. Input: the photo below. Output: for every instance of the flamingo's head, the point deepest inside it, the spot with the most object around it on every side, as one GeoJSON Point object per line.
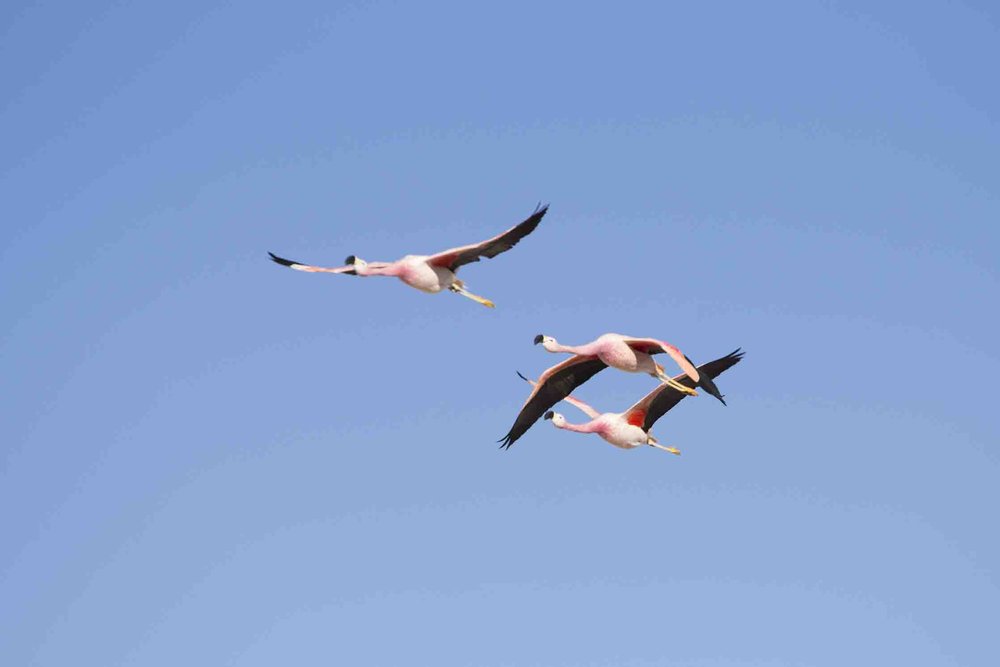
{"type": "Point", "coordinates": [546, 341]}
{"type": "Point", "coordinates": [557, 419]}
{"type": "Point", "coordinates": [356, 262]}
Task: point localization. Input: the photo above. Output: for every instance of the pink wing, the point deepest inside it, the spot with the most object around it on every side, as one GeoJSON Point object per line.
{"type": "Point", "coordinates": [346, 269]}
{"type": "Point", "coordinates": [456, 257]}
{"type": "Point", "coordinates": [653, 346]}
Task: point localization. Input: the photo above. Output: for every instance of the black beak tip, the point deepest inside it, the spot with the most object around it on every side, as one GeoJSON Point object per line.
{"type": "Point", "coordinates": [538, 339]}
{"type": "Point", "coordinates": [548, 415]}
{"type": "Point", "coordinates": [351, 259]}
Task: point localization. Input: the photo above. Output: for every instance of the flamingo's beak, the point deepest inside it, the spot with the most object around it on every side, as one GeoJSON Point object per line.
{"type": "Point", "coordinates": [538, 339]}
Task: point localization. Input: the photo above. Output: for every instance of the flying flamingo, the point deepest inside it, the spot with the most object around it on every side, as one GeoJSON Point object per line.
{"type": "Point", "coordinates": [631, 429]}
{"type": "Point", "coordinates": [432, 273]}
{"type": "Point", "coordinates": [633, 355]}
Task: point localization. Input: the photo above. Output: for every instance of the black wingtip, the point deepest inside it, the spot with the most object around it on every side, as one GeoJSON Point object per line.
{"type": "Point", "coordinates": [709, 371]}
{"type": "Point", "coordinates": [736, 355]}
{"type": "Point", "coordinates": [281, 260]}
{"type": "Point", "coordinates": [522, 377]}
{"type": "Point", "coordinates": [708, 385]}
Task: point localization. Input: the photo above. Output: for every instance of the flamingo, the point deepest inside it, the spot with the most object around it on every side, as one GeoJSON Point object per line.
{"type": "Point", "coordinates": [432, 273]}
{"type": "Point", "coordinates": [632, 428]}
{"type": "Point", "coordinates": [634, 355]}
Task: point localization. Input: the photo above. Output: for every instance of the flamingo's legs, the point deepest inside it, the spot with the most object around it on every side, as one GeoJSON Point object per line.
{"type": "Point", "coordinates": [653, 442]}
{"type": "Point", "coordinates": [458, 287]}
{"type": "Point", "coordinates": [674, 383]}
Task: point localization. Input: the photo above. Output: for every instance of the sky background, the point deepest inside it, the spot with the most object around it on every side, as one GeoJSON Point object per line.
{"type": "Point", "coordinates": [207, 459]}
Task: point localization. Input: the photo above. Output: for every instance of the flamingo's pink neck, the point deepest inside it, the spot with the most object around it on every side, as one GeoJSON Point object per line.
{"type": "Point", "coordinates": [589, 427]}
{"type": "Point", "coordinates": [366, 270]}
{"type": "Point", "coordinates": [572, 349]}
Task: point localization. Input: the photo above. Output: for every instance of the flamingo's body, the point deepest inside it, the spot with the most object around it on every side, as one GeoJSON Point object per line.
{"type": "Point", "coordinates": [415, 271]}
{"type": "Point", "coordinates": [614, 428]}
{"type": "Point", "coordinates": [611, 426]}
{"type": "Point", "coordinates": [626, 353]}
{"type": "Point", "coordinates": [431, 273]}
{"type": "Point", "coordinates": [632, 428]}
{"type": "Point", "coordinates": [634, 355]}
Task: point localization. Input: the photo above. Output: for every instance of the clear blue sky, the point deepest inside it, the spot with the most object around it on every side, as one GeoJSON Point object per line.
{"type": "Point", "coordinates": [209, 460]}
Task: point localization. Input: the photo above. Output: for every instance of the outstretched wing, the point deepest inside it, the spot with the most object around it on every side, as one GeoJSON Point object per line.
{"type": "Point", "coordinates": [653, 346]}
{"type": "Point", "coordinates": [572, 400]}
{"type": "Point", "coordinates": [347, 269]}
{"type": "Point", "coordinates": [554, 385]}
{"type": "Point", "coordinates": [658, 402]}
{"type": "Point", "coordinates": [456, 257]}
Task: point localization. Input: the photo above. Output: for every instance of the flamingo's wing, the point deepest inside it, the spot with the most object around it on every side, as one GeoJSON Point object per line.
{"type": "Point", "coordinates": [653, 346]}
{"type": "Point", "coordinates": [456, 257]}
{"type": "Point", "coordinates": [658, 402]}
{"type": "Point", "coordinates": [347, 269]}
{"type": "Point", "coordinates": [572, 400]}
{"type": "Point", "coordinates": [554, 385]}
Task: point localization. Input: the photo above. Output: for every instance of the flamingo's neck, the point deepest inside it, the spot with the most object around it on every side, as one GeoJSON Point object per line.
{"type": "Point", "coordinates": [589, 427]}
{"type": "Point", "coordinates": [366, 270]}
{"type": "Point", "coordinates": [559, 347]}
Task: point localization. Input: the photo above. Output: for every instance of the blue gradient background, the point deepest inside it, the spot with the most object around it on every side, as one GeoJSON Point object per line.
{"type": "Point", "coordinates": [210, 460]}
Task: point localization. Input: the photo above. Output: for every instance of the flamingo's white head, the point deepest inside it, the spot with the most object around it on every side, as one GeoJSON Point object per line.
{"type": "Point", "coordinates": [557, 419]}
{"type": "Point", "coordinates": [548, 342]}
